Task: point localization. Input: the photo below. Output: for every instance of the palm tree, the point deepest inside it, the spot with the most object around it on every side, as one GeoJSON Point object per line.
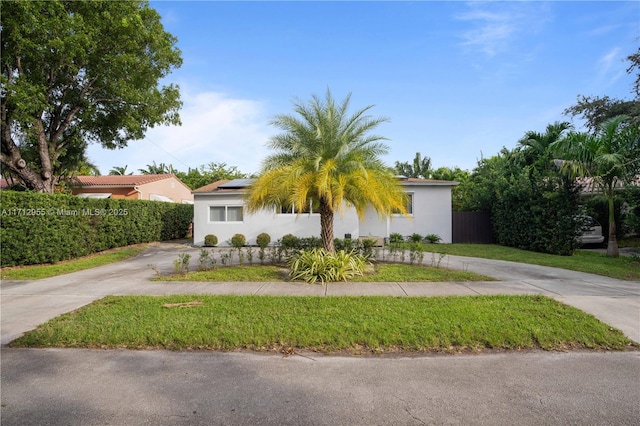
{"type": "Point", "coordinates": [421, 167]}
{"type": "Point", "coordinates": [610, 158]}
{"type": "Point", "coordinates": [538, 147]}
{"type": "Point", "coordinates": [327, 157]}
{"type": "Point", "coordinates": [119, 171]}
{"type": "Point", "coordinates": [158, 169]}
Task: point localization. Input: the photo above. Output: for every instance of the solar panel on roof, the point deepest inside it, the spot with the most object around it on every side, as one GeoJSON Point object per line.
{"type": "Point", "coordinates": [237, 183]}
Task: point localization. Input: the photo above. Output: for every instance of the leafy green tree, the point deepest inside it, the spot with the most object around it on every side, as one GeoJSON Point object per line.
{"type": "Point", "coordinates": [420, 168]}
{"type": "Point", "coordinates": [596, 110]}
{"type": "Point", "coordinates": [533, 205]}
{"type": "Point", "coordinates": [206, 174]}
{"type": "Point", "coordinates": [327, 156]}
{"type": "Point", "coordinates": [78, 72]}
{"type": "Point", "coordinates": [610, 158]}
{"type": "Point", "coordinates": [452, 174]}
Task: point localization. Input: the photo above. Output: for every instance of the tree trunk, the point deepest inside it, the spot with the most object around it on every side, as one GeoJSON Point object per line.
{"type": "Point", "coordinates": [12, 159]}
{"type": "Point", "coordinates": [612, 245]}
{"type": "Point", "coordinates": [326, 226]}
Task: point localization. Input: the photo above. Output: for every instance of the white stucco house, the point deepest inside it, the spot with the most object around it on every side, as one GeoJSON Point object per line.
{"type": "Point", "coordinates": [219, 210]}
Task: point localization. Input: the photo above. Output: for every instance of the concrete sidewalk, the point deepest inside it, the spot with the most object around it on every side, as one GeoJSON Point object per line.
{"type": "Point", "coordinates": [25, 305]}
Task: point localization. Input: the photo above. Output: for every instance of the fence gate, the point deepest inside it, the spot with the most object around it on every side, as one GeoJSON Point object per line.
{"type": "Point", "coordinates": [472, 227]}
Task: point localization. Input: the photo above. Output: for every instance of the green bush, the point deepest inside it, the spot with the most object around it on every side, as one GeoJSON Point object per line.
{"type": "Point", "coordinates": [346, 244]}
{"type": "Point", "coordinates": [210, 240]}
{"type": "Point", "coordinates": [263, 240]}
{"type": "Point", "coordinates": [396, 238]}
{"type": "Point", "coordinates": [432, 238]}
{"type": "Point", "coordinates": [45, 228]}
{"type": "Point", "coordinates": [318, 264]}
{"type": "Point", "coordinates": [415, 238]}
{"type": "Point", "coordinates": [238, 240]}
{"type": "Point", "coordinates": [289, 241]}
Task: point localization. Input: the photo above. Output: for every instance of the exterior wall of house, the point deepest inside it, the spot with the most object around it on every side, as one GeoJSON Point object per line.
{"type": "Point", "coordinates": [171, 188]}
{"type": "Point", "coordinates": [275, 224]}
{"type": "Point", "coordinates": [431, 215]}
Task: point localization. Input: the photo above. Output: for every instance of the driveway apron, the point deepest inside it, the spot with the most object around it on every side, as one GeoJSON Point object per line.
{"type": "Point", "coordinates": [26, 304]}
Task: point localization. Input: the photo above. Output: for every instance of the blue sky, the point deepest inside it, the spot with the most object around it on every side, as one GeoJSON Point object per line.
{"type": "Point", "coordinates": [457, 80]}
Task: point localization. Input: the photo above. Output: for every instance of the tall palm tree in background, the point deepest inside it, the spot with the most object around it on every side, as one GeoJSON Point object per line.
{"type": "Point", "coordinates": [157, 169]}
{"type": "Point", "coordinates": [538, 147]}
{"type": "Point", "coordinates": [420, 168]}
{"type": "Point", "coordinates": [611, 158]}
{"type": "Point", "coordinates": [119, 171]}
{"type": "Point", "coordinates": [329, 157]}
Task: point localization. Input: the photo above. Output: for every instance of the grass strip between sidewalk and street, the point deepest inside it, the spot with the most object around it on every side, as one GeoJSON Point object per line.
{"type": "Point", "coordinates": [344, 325]}
{"type": "Point", "coordinates": [37, 272]}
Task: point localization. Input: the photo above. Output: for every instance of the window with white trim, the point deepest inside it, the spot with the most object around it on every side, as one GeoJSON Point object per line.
{"type": "Point", "coordinates": [409, 205]}
{"type": "Point", "coordinates": [225, 214]}
{"type": "Point", "coordinates": [312, 207]}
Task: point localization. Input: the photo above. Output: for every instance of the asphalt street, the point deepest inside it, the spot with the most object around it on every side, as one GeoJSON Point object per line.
{"type": "Point", "coordinates": [121, 387]}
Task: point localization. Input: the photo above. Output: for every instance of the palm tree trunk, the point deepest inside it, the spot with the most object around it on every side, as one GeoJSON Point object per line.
{"type": "Point", "coordinates": [612, 245]}
{"type": "Point", "coordinates": [326, 226]}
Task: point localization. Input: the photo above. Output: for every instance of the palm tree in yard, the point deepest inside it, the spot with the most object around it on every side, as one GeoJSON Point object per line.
{"type": "Point", "coordinates": [610, 158]}
{"type": "Point", "coordinates": [327, 156]}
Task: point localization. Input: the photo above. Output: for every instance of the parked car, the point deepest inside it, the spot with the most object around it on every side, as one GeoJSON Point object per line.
{"type": "Point", "coordinates": [591, 232]}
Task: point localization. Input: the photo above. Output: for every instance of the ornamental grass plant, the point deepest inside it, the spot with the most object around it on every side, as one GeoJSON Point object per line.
{"type": "Point", "coordinates": [320, 265]}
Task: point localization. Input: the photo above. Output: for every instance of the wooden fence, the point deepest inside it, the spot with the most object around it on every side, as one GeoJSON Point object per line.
{"type": "Point", "coordinates": [472, 227]}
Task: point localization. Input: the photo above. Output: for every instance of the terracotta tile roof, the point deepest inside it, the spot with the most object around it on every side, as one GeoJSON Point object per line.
{"type": "Point", "coordinates": [121, 180]}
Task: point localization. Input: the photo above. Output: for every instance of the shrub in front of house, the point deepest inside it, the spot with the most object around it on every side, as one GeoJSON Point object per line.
{"type": "Point", "coordinates": [238, 240]}
{"type": "Point", "coordinates": [319, 265]}
{"type": "Point", "coordinates": [263, 240]}
{"type": "Point", "coordinates": [415, 238]}
{"type": "Point", "coordinates": [346, 244]}
{"type": "Point", "coordinates": [396, 238]}
{"type": "Point", "coordinates": [210, 240]}
{"type": "Point", "coordinates": [432, 238]}
{"type": "Point", "coordinates": [289, 241]}
{"type": "Point", "coordinates": [308, 243]}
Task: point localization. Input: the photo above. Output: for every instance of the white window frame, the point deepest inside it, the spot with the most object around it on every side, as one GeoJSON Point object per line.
{"type": "Point", "coordinates": [410, 204]}
{"type": "Point", "coordinates": [226, 213]}
{"type": "Point", "coordinates": [294, 210]}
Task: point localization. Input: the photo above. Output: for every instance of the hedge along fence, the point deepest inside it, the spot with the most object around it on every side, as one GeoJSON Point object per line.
{"type": "Point", "coordinates": [45, 228]}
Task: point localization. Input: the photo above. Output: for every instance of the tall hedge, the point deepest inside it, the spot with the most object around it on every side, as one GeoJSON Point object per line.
{"type": "Point", "coordinates": [43, 228]}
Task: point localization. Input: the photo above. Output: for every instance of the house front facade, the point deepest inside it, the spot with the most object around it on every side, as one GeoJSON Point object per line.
{"type": "Point", "coordinates": [219, 210]}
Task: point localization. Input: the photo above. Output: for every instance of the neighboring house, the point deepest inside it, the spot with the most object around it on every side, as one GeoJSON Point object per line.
{"type": "Point", "coordinates": [165, 187]}
{"type": "Point", "coordinates": [219, 210]}
{"type": "Point", "coordinates": [587, 187]}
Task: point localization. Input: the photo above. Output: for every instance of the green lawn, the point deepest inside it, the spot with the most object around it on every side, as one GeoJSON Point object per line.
{"type": "Point", "coordinates": [383, 273]}
{"type": "Point", "coordinates": [37, 272]}
{"type": "Point", "coordinates": [354, 325]}
{"type": "Point", "coordinates": [623, 268]}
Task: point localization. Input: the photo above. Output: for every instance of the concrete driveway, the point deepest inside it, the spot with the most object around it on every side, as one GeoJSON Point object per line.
{"type": "Point", "coordinates": [68, 386]}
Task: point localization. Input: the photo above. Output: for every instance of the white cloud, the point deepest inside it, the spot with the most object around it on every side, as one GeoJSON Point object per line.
{"type": "Point", "coordinates": [215, 128]}
{"type": "Point", "coordinates": [610, 68]}
{"type": "Point", "coordinates": [494, 26]}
